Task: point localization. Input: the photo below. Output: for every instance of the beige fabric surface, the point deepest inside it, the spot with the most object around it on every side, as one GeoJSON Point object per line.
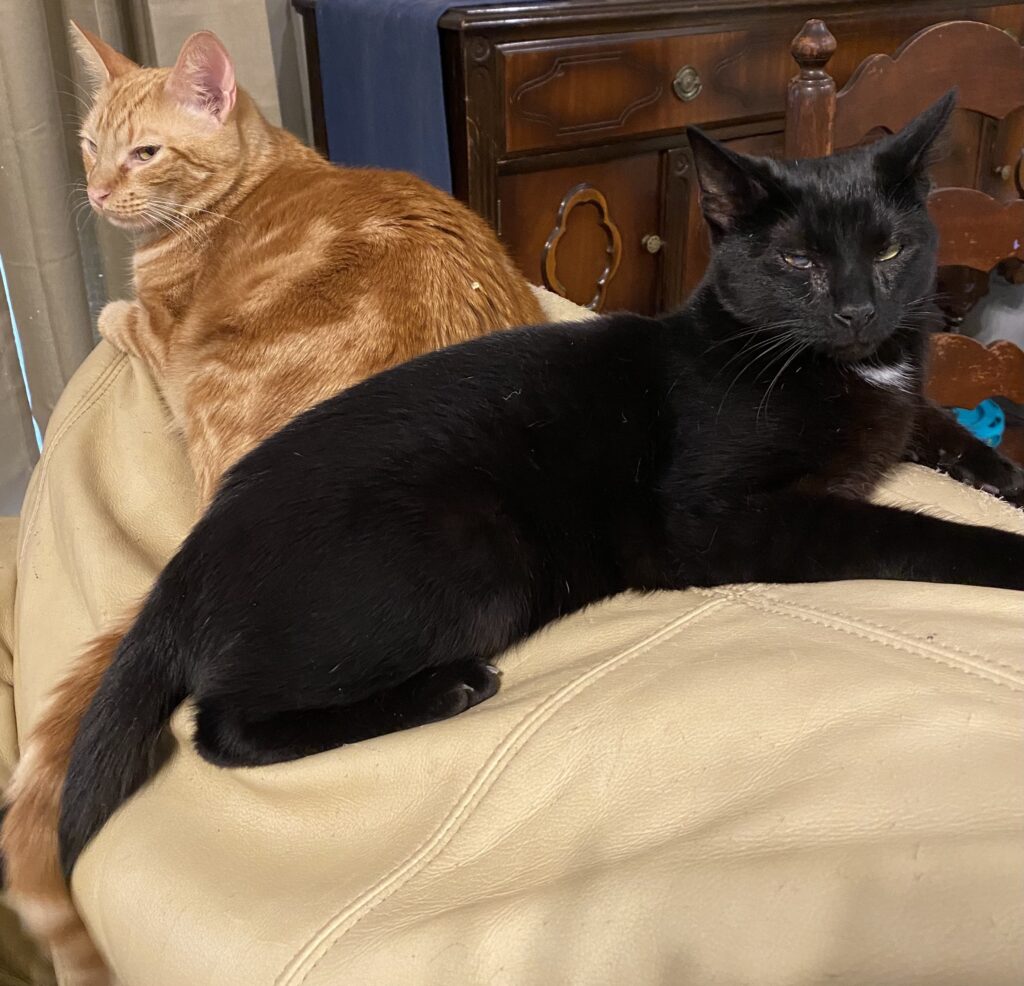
{"type": "Point", "coordinates": [20, 963]}
{"type": "Point", "coordinates": [772, 786]}
{"type": "Point", "coordinates": [8, 584]}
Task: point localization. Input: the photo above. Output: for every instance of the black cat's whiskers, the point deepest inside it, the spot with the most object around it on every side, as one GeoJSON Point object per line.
{"type": "Point", "coordinates": [757, 330]}
{"type": "Point", "coordinates": [760, 338]}
{"type": "Point", "coordinates": [921, 313]}
{"type": "Point", "coordinates": [769, 349]}
{"type": "Point", "coordinates": [795, 352]}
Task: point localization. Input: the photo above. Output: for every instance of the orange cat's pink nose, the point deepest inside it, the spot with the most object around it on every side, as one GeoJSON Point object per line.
{"type": "Point", "coordinates": [97, 196]}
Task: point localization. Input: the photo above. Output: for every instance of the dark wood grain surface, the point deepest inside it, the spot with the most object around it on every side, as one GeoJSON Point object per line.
{"type": "Point", "coordinates": [544, 97]}
{"type": "Point", "coordinates": [976, 205]}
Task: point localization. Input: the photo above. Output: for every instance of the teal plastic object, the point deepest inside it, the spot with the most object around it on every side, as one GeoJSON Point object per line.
{"type": "Point", "coordinates": [986, 421]}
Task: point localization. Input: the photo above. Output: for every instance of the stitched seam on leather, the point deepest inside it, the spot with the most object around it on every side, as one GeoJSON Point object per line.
{"type": "Point", "coordinates": [879, 636]}
{"type": "Point", "coordinates": [765, 591]}
{"type": "Point", "coordinates": [930, 645]}
{"type": "Point", "coordinates": [101, 385]}
{"type": "Point", "coordinates": [342, 922]}
{"type": "Point", "coordinates": [728, 591]}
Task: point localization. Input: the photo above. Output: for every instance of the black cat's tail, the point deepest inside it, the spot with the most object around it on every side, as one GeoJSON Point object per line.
{"type": "Point", "coordinates": [115, 751]}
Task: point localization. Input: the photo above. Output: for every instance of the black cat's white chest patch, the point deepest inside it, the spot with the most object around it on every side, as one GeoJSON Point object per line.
{"type": "Point", "coordinates": [897, 376]}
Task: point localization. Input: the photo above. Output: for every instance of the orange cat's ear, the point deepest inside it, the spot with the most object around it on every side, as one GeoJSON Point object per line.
{"type": "Point", "coordinates": [102, 62]}
{"type": "Point", "coordinates": [203, 77]}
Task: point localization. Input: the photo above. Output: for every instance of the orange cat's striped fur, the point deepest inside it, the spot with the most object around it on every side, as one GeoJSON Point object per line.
{"type": "Point", "coordinates": [266, 280]}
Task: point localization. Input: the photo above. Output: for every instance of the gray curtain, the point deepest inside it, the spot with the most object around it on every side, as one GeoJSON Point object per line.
{"type": "Point", "coordinates": [45, 300]}
{"type": "Point", "coordinates": [18, 445]}
{"type": "Point", "coordinates": [62, 264]}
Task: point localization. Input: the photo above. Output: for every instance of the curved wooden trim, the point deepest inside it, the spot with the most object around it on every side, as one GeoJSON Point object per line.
{"type": "Point", "coordinates": [976, 230]}
{"type": "Point", "coordinates": [962, 372]}
{"type": "Point", "coordinates": [983, 61]}
{"type": "Point", "coordinates": [579, 195]}
{"type": "Point", "coordinates": [564, 65]}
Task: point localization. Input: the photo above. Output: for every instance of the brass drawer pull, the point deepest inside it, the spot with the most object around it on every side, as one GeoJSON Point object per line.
{"type": "Point", "coordinates": [652, 243]}
{"type": "Point", "coordinates": [687, 84]}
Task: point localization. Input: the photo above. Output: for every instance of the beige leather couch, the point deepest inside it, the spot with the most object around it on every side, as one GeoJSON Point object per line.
{"type": "Point", "coordinates": [752, 785]}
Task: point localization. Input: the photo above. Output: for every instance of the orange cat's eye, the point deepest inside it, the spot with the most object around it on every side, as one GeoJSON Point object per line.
{"type": "Point", "coordinates": [90, 146]}
{"type": "Point", "coordinates": [146, 153]}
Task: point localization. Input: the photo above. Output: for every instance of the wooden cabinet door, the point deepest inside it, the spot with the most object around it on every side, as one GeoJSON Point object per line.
{"type": "Point", "coordinates": [625, 234]}
{"type": "Point", "coordinates": [583, 231]}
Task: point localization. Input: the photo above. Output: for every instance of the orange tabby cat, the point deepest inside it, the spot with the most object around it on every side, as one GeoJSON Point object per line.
{"type": "Point", "coordinates": [266, 280]}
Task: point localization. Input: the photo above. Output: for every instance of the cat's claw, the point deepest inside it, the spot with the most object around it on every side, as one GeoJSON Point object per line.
{"type": "Point", "coordinates": [985, 469]}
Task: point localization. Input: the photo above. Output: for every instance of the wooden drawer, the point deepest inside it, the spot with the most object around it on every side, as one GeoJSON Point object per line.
{"type": "Point", "coordinates": [562, 93]}
{"type": "Point", "coordinates": [571, 91]}
{"type": "Point", "coordinates": [572, 228]}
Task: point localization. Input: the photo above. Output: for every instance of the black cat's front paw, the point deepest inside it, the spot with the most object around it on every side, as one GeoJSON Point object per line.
{"type": "Point", "coordinates": [460, 688]}
{"type": "Point", "coordinates": [985, 469]}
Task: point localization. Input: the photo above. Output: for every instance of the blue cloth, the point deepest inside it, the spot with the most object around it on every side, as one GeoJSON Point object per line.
{"type": "Point", "coordinates": [380, 67]}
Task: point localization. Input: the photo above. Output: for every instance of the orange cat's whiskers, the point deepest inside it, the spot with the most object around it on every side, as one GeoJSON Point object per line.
{"type": "Point", "coordinates": [171, 209]}
{"type": "Point", "coordinates": [192, 210]}
{"type": "Point", "coordinates": [81, 209]}
{"type": "Point", "coordinates": [174, 222]}
{"type": "Point", "coordinates": [75, 195]}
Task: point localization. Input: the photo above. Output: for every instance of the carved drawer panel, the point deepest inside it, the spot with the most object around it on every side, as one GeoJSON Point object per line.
{"type": "Point", "coordinates": [580, 91]}
{"type": "Point", "coordinates": [568, 92]}
{"type": "Point", "coordinates": [590, 232]}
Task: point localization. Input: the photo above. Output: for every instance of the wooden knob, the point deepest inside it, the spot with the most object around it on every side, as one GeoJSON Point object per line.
{"type": "Point", "coordinates": [812, 48]}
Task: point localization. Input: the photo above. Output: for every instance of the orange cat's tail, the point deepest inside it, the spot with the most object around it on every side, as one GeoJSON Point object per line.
{"type": "Point", "coordinates": [34, 883]}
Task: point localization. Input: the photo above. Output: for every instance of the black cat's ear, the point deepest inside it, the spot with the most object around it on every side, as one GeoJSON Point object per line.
{"type": "Point", "coordinates": [911, 151]}
{"type": "Point", "coordinates": [730, 185]}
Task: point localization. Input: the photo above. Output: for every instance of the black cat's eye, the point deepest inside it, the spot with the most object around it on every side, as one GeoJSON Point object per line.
{"type": "Point", "coordinates": [889, 253]}
{"type": "Point", "coordinates": [146, 152]}
{"type": "Point", "coordinates": [798, 260]}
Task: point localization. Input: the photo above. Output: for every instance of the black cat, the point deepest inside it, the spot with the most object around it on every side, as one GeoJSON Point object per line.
{"type": "Point", "coordinates": [358, 572]}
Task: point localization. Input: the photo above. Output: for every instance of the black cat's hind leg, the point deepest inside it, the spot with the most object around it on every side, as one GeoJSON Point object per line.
{"type": "Point", "coordinates": [228, 736]}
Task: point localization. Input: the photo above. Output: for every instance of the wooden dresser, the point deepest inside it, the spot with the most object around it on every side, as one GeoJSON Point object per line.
{"type": "Point", "coordinates": [566, 123]}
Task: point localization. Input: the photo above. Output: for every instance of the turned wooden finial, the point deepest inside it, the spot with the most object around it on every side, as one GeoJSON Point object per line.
{"type": "Point", "coordinates": [812, 48]}
{"type": "Point", "coordinates": [811, 100]}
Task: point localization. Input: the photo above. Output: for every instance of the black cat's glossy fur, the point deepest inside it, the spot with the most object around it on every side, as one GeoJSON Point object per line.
{"type": "Point", "coordinates": [360, 570]}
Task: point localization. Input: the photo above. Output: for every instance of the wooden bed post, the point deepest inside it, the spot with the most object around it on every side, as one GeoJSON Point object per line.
{"type": "Point", "coordinates": [811, 98]}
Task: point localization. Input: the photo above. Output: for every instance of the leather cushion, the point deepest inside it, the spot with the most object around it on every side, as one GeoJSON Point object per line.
{"type": "Point", "coordinates": [770, 785]}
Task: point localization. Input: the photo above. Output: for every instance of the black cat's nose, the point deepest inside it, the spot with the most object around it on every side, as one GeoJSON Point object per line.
{"type": "Point", "coordinates": [856, 316]}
